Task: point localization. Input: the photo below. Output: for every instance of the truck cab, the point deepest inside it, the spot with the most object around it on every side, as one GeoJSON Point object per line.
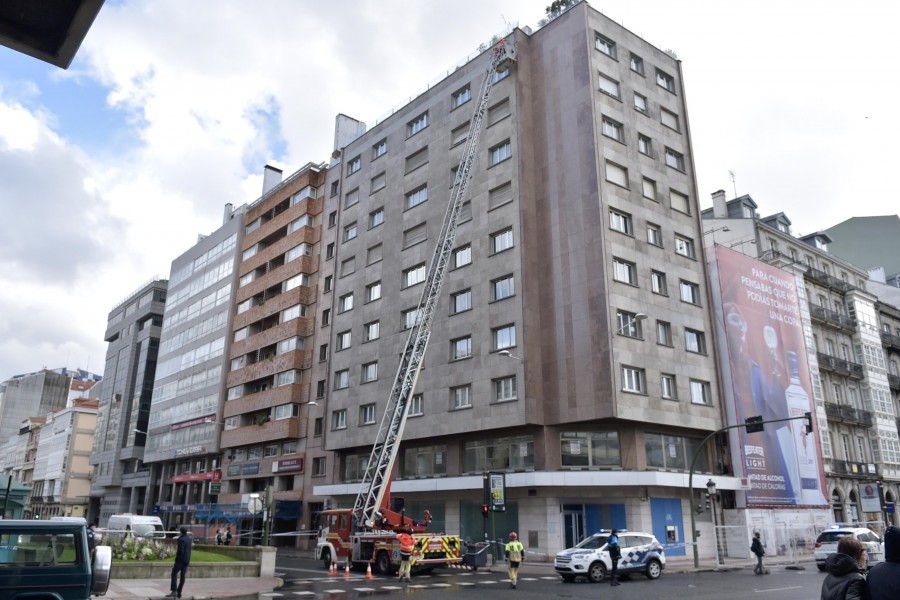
{"type": "Point", "coordinates": [49, 560]}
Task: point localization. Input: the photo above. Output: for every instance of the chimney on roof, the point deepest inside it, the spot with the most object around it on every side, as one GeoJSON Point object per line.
{"type": "Point", "coordinates": [720, 209]}
{"type": "Point", "coordinates": [271, 178]}
{"type": "Point", "coordinates": [229, 209]}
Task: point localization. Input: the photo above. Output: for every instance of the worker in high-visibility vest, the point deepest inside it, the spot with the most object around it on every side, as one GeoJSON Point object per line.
{"type": "Point", "coordinates": [407, 544]}
{"type": "Point", "coordinates": [515, 551]}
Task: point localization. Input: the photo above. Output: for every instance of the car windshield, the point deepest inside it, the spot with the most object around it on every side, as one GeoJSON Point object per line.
{"type": "Point", "coordinates": [593, 542]}
{"type": "Point", "coordinates": [832, 536]}
{"type": "Point", "coordinates": [148, 530]}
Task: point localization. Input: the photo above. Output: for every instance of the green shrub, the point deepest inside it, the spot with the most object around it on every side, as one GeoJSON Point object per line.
{"type": "Point", "coordinates": [141, 549]}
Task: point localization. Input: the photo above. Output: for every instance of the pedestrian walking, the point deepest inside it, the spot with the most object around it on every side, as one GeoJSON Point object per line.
{"type": "Point", "coordinates": [182, 560]}
{"type": "Point", "coordinates": [845, 579]}
{"type": "Point", "coordinates": [756, 548]}
{"type": "Point", "coordinates": [91, 540]}
{"type": "Point", "coordinates": [228, 537]}
{"type": "Point", "coordinates": [219, 538]}
{"type": "Point", "coordinates": [884, 578]}
{"type": "Point", "coordinates": [407, 544]}
{"type": "Point", "coordinates": [615, 553]}
{"type": "Point", "coordinates": [515, 552]}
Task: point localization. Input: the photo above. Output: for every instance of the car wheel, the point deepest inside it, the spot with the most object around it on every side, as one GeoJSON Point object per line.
{"type": "Point", "coordinates": [821, 566]}
{"type": "Point", "coordinates": [654, 569]}
{"type": "Point", "coordinates": [597, 572]}
{"type": "Point", "coordinates": [383, 563]}
{"type": "Point", "coordinates": [568, 578]}
{"type": "Point", "coordinates": [326, 558]}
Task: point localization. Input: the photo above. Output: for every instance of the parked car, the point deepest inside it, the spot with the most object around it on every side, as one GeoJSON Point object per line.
{"type": "Point", "coordinates": [641, 553]}
{"type": "Point", "coordinates": [828, 540]}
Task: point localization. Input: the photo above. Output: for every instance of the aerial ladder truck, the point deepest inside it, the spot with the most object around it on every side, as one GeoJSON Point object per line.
{"type": "Point", "coordinates": [367, 533]}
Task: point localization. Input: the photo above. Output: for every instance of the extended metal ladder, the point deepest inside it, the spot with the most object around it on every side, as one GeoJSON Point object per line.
{"type": "Point", "coordinates": [377, 476]}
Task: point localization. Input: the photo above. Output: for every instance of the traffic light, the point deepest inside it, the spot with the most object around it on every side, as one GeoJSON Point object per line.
{"type": "Point", "coordinates": [708, 501]}
{"type": "Point", "coordinates": [37, 516]}
{"type": "Point", "coordinates": [484, 510]}
{"type": "Point", "coordinates": [809, 423]}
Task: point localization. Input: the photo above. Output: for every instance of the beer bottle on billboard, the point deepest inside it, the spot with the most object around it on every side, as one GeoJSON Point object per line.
{"type": "Point", "coordinates": [805, 445]}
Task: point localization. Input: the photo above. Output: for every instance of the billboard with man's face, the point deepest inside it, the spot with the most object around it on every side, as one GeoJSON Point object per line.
{"type": "Point", "coordinates": [770, 378]}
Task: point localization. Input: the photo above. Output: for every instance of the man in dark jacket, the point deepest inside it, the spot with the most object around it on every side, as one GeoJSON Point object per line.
{"type": "Point", "coordinates": [845, 580]}
{"type": "Point", "coordinates": [756, 548]}
{"type": "Point", "coordinates": [182, 560]}
{"type": "Point", "coordinates": [884, 578]}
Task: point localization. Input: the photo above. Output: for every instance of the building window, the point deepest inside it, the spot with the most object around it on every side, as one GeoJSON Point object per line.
{"type": "Point", "coordinates": [617, 174]}
{"type": "Point", "coordinates": [501, 152]}
{"type": "Point", "coordinates": [649, 189]}
{"type": "Point", "coordinates": [343, 340]}
{"type": "Point", "coordinates": [503, 288]}
{"type": "Point", "coordinates": [624, 271]}
{"type": "Point", "coordinates": [329, 282]}
{"type": "Point", "coordinates": [501, 75]}
{"type": "Point", "coordinates": [669, 391]}
{"type": "Point", "coordinates": [320, 388]}
{"type": "Point", "coordinates": [379, 148]}
{"type": "Point", "coordinates": [700, 393]}
{"type": "Point", "coordinates": [339, 419]}
{"type": "Point", "coordinates": [514, 452]}
{"type": "Point", "coordinates": [326, 317]}
{"type": "Point", "coordinates": [460, 97]}
{"type": "Point", "coordinates": [640, 103]}
{"type": "Point", "coordinates": [416, 197]}
{"type": "Point", "coordinates": [377, 183]}
{"type": "Point", "coordinates": [669, 119]}
{"type": "Point", "coordinates": [690, 292]}
{"type": "Point", "coordinates": [613, 130]}
{"type": "Point", "coordinates": [417, 124]}
{"type": "Point", "coordinates": [367, 414]}
{"type": "Point", "coordinates": [654, 234]}
{"type": "Point", "coordinates": [345, 303]}
{"type": "Point", "coordinates": [350, 232]}
{"type": "Point", "coordinates": [370, 372]}
{"type": "Point", "coordinates": [664, 333]}
{"type": "Point", "coordinates": [679, 202]}
{"type": "Point", "coordinates": [376, 217]}
{"type": "Point", "coordinates": [675, 159]}
{"type": "Point", "coordinates": [590, 449]}
{"type": "Point", "coordinates": [408, 317]}
{"type": "Point", "coordinates": [498, 112]}
{"type": "Point", "coordinates": [502, 240]}
{"type": "Point", "coordinates": [504, 337]}
{"type": "Point", "coordinates": [351, 198]}
{"type": "Point", "coordinates": [425, 461]}
{"type": "Point", "coordinates": [694, 341]}
{"type": "Point", "coordinates": [628, 324]}
{"type": "Point", "coordinates": [665, 80]}
{"type": "Point", "coordinates": [460, 302]}
{"type": "Point", "coordinates": [372, 331]}
{"type": "Point", "coordinates": [374, 254]}
{"type": "Point", "coordinates": [684, 246]}
{"type": "Point", "coordinates": [341, 379]}
{"type": "Point", "coordinates": [334, 188]}
{"type": "Point", "coordinates": [348, 267]}
{"type": "Point", "coordinates": [415, 235]}
{"type": "Point", "coordinates": [413, 276]}
{"type": "Point", "coordinates": [462, 256]}
{"type": "Point", "coordinates": [373, 291]}
{"type": "Point", "coordinates": [619, 221]}
{"type": "Point", "coordinates": [645, 145]}
{"type": "Point", "coordinates": [633, 380]}
{"type": "Point", "coordinates": [673, 452]}
{"type": "Point", "coordinates": [416, 406]}
{"type": "Point", "coordinates": [353, 165]}
{"type": "Point", "coordinates": [457, 136]}
{"type": "Point", "coordinates": [609, 86]}
{"type": "Point", "coordinates": [658, 283]}
{"type": "Point", "coordinates": [605, 45]}
{"type": "Point", "coordinates": [319, 466]}
{"type": "Point", "coordinates": [461, 348]}
{"type": "Point", "coordinates": [460, 397]}
{"type": "Point", "coordinates": [329, 251]}
{"type": "Point", "coordinates": [505, 389]}
{"type": "Point", "coordinates": [416, 159]}
{"type": "Point", "coordinates": [637, 64]}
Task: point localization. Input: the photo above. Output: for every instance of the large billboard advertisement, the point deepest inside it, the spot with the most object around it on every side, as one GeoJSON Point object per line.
{"type": "Point", "coordinates": [770, 378]}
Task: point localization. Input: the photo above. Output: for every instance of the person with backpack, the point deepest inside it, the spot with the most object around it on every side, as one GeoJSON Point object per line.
{"type": "Point", "coordinates": [884, 578]}
{"type": "Point", "coordinates": [615, 553]}
{"type": "Point", "coordinates": [756, 548]}
{"type": "Point", "coordinates": [846, 568]}
{"type": "Point", "coordinates": [514, 553]}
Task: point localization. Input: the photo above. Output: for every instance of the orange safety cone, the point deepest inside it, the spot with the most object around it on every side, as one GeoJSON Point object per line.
{"type": "Point", "coordinates": [369, 571]}
{"type": "Point", "coordinates": [332, 570]}
{"type": "Point", "coordinates": [347, 569]}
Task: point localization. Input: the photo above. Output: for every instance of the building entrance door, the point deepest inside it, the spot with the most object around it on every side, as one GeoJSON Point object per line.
{"type": "Point", "coordinates": [573, 524]}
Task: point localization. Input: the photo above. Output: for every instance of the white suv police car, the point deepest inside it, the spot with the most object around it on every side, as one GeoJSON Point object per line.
{"type": "Point", "coordinates": [641, 553]}
{"type": "Point", "coordinates": [827, 543]}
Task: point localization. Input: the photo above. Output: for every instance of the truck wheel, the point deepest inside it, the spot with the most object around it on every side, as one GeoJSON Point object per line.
{"type": "Point", "coordinates": [383, 563]}
{"type": "Point", "coordinates": [597, 572]}
{"type": "Point", "coordinates": [326, 558]}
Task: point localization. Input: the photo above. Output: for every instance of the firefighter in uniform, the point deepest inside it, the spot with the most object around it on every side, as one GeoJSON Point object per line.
{"type": "Point", "coordinates": [407, 544]}
{"type": "Point", "coordinates": [514, 552]}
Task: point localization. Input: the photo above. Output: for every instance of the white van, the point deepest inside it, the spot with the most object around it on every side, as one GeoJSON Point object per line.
{"type": "Point", "coordinates": [135, 525]}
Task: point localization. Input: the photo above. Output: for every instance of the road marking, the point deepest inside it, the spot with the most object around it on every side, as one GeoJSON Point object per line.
{"type": "Point", "coordinates": [335, 591]}
{"type": "Point", "coordinates": [441, 584]}
{"type": "Point", "coordinates": [364, 589]}
{"type": "Point", "coordinates": [305, 593]}
{"type": "Point", "coordinates": [548, 577]}
{"type": "Point", "coordinates": [418, 587]}
{"type": "Point", "coordinates": [507, 580]}
{"type": "Point", "coordinates": [465, 583]}
{"type": "Point", "coordinates": [271, 594]}
{"type": "Point", "coordinates": [391, 587]}
{"type": "Point", "coordinates": [793, 587]}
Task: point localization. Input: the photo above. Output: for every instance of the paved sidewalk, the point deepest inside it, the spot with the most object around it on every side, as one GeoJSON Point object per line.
{"type": "Point", "coordinates": [233, 588]}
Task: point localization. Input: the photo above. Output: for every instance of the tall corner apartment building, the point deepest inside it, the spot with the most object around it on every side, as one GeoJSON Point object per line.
{"type": "Point", "coordinates": [185, 424]}
{"type": "Point", "coordinates": [267, 410]}
{"type": "Point", "coordinates": [121, 481]}
{"type": "Point", "coordinates": [578, 254]}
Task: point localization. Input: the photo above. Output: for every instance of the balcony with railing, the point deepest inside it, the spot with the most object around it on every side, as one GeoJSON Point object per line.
{"type": "Point", "coordinates": [849, 414]}
{"type": "Point", "coordinates": [890, 340]}
{"type": "Point", "coordinates": [840, 365]}
{"type": "Point", "coordinates": [824, 278]}
{"type": "Point", "coordinates": [831, 317]}
{"type": "Point", "coordinates": [853, 469]}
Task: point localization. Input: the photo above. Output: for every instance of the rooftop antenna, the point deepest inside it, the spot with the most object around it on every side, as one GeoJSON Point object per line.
{"type": "Point", "coordinates": [733, 182]}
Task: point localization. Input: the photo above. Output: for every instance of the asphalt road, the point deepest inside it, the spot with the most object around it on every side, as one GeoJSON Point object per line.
{"type": "Point", "coordinates": [306, 579]}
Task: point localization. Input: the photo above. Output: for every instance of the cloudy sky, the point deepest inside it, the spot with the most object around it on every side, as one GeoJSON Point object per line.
{"type": "Point", "coordinates": [110, 169]}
